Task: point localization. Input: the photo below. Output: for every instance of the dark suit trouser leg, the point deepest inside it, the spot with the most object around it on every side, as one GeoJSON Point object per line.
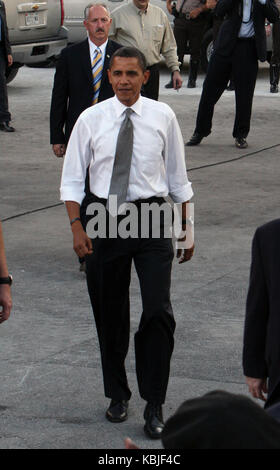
{"type": "Point", "coordinates": [275, 58]}
{"type": "Point", "coordinates": [181, 34]}
{"type": "Point", "coordinates": [4, 112]}
{"type": "Point", "coordinates": [154, 340]}
{"type": "Point", "coordinates": [108, 279]}
{"type": "Point", "coordinates": [217, 77]}
{"type": "Point", "coordinates": [197, 28]}
{"type": "Point", "coordinates": [245, 69]}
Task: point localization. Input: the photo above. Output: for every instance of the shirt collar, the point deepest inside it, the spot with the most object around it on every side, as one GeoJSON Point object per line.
{"type": "Point", "coordinates": [120, 108]}
{"type": "Point", "coordinates": [93, 46]}
{"type": "Point", "coordinates": [138, 10]}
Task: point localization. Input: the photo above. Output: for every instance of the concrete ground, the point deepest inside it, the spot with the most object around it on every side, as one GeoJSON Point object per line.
{"type": "Point", "coordinates": [51, 391]}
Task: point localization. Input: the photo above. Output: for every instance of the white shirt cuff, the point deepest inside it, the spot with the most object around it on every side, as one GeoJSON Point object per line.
{"type": "Point", "coordinates": [183, 194]}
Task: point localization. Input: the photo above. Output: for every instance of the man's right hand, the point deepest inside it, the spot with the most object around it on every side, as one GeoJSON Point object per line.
{"type": "Point", "coordinates": [257, 387]}
{"type": "Point", "coordinates": [5, 302]}
{"type": "Point", "coordinates": [82, 244]}
{"type": "Point", "coordinates": [59, 150]}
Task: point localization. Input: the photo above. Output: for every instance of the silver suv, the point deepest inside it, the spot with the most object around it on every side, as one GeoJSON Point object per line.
{"type": "Point", "coordinates": [36, 31]}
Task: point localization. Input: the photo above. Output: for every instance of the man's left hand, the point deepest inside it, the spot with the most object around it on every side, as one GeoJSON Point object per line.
{"type": "Point", "coordinates": [185, 254]}
{"type": "Point", "coordinates": [195, 12]}
{"type": "Point", "coordinates": [177, 80]}
{"type": "Point", "coordinates": [10, 60]}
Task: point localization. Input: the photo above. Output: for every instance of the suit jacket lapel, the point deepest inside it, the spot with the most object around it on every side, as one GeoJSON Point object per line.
{"type": "Point", "coordinates": [108, 53]}
{"type": "Point", "coordinates": [85, 59]}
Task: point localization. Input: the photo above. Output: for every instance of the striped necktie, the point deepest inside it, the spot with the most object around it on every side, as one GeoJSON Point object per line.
{"type": "Point", "coordinates": [96, 73]}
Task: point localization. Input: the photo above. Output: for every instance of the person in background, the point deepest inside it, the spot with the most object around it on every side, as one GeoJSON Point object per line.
{"type": "Point", "coordinates": [274, 68]}
{"type": "Point", "coordinates": [261, 352]}
{"type": "Point", "coordinates": [146, 26]}
{"type": "Point", "coordinates": [241, 42]}
{"type": "Point", "coordinates": [6, 60]}
{"type": "Point", "coordinates": [5, 283]}
{"type": "Point", "coordinates": [189, 25]}
{"type": "Point", "coordinates": [217, 21]}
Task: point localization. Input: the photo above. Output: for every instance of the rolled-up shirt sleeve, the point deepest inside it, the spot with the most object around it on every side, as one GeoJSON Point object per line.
{"type": "Point", "coordinates": [180, 188]}
{"type": "Point", "coordinates": [169, 48]}
{"type": "Point", "coordinates": [76, 162]}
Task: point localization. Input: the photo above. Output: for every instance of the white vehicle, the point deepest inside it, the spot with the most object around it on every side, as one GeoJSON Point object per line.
{"type": "Point", "coordinates": [36, 31]}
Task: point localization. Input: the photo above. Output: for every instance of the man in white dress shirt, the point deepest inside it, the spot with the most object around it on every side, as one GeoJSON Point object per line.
{"type": "Point", "coordinates": [157, 168]}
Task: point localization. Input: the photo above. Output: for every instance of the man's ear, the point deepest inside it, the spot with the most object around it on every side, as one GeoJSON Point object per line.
{"type": "Point", "coordinates": [146, 76]}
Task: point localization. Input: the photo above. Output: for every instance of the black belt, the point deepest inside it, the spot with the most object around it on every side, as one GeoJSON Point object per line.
{"type": "Point", "coordinates": [187, 16]}
{"type": "Point", "coordinates": [160, 200]}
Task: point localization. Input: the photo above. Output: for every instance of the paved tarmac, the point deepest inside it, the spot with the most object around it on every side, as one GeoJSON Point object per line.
{"type": "Point", "coordinates": [51, 391]}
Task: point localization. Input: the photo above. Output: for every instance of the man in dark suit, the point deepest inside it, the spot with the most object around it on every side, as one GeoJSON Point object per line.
{"type": "Point", "coordinates": [73, 82]}
{"type": "Point", "coordinates": [6, 59]}
{"type": "Point", "coordinates": [73, 89]}
{"type": "Point", "coordinates": [261, 351]}
{"type": "Point", "coordinates": [241, 42]}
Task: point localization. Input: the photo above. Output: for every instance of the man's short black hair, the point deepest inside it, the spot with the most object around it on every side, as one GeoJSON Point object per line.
{"type": "Point", "coordinates": [130, 52]}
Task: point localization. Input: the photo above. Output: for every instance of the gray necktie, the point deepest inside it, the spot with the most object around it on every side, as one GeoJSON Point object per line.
{"type": "Point", "coordinates": [122, 163]}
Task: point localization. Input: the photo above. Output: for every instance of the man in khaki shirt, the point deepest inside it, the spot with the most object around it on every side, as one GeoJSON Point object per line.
{"type": "Point", "coordinates": [139, 24]}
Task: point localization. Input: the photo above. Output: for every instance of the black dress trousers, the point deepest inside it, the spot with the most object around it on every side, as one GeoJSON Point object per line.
{"type": "Point", "coordinates": [151, 89]}
{"type": "Point", "coordinates": [275, 58]}
{"type": "Point", "coordinates": [243, 65]}
{"type": "Point", "coordinates": [108, 279]}
{"type": "Point", "coordinates": [191, 30]}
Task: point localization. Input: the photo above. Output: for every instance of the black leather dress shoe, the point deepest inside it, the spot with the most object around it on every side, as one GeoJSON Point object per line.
{"type": "Point", "coordinates": [191, 83]}
{"type": "Point", "coordinates": [241, 143]}
{"type": "Point", "coordinates": [4, 126]}
{"type": "Point", "coordinates": [117, 411]}
{"type": "Point", "coordinates": [195, 139]}
{"type": "Point", "coordinates": [154, 421]}
{"type": "Point", "coordinates": [274, 88]}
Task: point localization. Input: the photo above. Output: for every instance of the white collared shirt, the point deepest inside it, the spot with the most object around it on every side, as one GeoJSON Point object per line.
{"type": "Point", "coordinates": [93, 47]}
{"type": "Point", "coordinates": [158, 160]}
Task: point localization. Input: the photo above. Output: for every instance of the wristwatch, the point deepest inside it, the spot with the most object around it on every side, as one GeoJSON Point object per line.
{"type": "Point", "coordinates": [6, 280]}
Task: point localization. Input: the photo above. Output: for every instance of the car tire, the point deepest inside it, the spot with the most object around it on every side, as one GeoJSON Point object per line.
{"type": "Point", "coordinates": [206, 49]}
{"type": "Point", "coordinates": [11, 73]}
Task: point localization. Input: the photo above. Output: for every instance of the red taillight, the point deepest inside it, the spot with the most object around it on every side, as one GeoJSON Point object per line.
{"type": "Point", "coordinates": [62, 12]}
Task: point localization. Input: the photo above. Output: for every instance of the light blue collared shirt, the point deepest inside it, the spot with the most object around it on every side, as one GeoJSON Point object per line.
{"type": "Point", "coordinates": [247, 27]}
